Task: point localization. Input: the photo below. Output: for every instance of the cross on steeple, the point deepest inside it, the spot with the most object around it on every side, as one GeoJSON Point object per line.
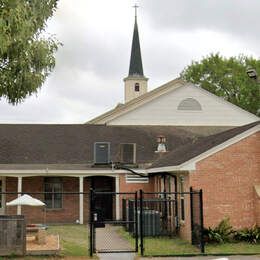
{"type": "Point", "coordinates": [135, 7]}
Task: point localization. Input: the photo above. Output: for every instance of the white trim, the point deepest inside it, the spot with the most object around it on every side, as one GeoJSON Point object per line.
{"type": "Point", "coordinates": [19, 189]}
{"type": "Point", "coordinates": [81, 200]}
{"type": "Point", "coordinates": [69, 173]}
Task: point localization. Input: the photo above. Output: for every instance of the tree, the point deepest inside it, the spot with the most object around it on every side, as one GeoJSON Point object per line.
{"type": "Point", "coordinates": [226, 77]}
{"type": "Point", "coordinates": [26, 56]}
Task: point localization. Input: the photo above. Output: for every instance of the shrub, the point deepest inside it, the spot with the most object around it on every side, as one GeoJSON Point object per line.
{"type": "Point", "coordinates": [251, 235]}
{"type": "Point", "coordinates": [222, 233]}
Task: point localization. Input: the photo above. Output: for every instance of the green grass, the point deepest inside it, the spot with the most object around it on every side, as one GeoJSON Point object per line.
{"type": "Point", "coordinates": [73, 239]}
{"type": "Point", "coordinates": [163, 245]}
{"type": "Point", "coordinates": [233, 248]}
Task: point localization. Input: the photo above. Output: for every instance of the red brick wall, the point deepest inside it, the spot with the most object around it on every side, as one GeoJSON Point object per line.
{"type": "Point", "coordinates": [70, 208]}
{"type": "Point", "coordinates": [227, 179]}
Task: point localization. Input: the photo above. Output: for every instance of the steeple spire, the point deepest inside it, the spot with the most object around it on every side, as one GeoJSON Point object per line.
{"type": "Point", "coordinates": [135, 82]}
{"type": "Point", "coordinates": [136, 66]}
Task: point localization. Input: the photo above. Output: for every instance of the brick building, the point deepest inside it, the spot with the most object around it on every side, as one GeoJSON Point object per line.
{"type": "Point", "coordinates": [175, 136]}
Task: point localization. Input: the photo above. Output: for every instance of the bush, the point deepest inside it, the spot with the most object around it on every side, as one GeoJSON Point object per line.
{"type": "Point", "coordinates": [251, 235]}
{"type": "Point", "coordinates": [220, 234]}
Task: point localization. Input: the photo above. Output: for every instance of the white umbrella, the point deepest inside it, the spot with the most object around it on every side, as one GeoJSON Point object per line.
{"type": "Point", "coordinates": [25, 200]}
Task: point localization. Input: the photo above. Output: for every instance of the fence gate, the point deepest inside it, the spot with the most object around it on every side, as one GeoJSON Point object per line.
{"type": "Point", "coordinates": [113, 222]}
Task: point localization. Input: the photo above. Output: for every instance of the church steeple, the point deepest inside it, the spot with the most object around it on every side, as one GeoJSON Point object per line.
{"type": "Point", "coordinates": [136, 66]}
{"type": "Point", "coordinates": [136, 82]}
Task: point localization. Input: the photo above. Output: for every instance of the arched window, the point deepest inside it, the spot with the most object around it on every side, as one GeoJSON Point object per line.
{"type": "Point", "coordinates": [189, 104]}
{"type": "Point", "coordinates": [137, 87]}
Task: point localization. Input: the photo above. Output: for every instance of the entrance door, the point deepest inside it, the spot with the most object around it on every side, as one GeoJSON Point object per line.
{"type": "Point", "coordinates": [103, 205]}
{"type": "Point", "coordinates": [2, 196]}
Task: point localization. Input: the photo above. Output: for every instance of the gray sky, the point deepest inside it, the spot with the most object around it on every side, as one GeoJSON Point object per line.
{"type": "Point", "coordinates": [96, 37]}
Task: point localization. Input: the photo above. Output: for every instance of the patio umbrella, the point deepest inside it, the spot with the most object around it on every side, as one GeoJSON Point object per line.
{"type": "Point", "coordinates": [25, 200]}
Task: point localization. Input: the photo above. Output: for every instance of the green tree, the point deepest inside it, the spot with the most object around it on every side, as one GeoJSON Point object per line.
{"type": "Point", "coordinates": [226, 77]}
{"type": "Point", "coordinates": [26, 55]}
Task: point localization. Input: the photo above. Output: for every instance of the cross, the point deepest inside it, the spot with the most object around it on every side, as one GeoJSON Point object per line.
{"type": "Point", "coordinates": [135, 7]}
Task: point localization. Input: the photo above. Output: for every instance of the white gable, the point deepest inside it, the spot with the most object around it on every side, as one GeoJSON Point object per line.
{"type": "Point", "coordinates": [185, 105]}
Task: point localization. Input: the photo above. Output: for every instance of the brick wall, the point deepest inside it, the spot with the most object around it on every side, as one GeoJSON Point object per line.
{"type": "Point", "coordinates": [227, 179]}
{"type": "Point", "coordinates": [70, 202]}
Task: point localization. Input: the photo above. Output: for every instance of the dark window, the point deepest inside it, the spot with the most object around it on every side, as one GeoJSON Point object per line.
{"type": "Point", "coordinates": [102, 153]}
{"type": "Point", "coordinates": [137, 87]}
{"type": "Point", "coordinates": [53, 199]}
{"type": "Point", "coordinates": [127, 152]}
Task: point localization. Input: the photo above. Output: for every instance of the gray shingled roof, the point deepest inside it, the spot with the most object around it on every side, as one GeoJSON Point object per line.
{"type": "Point", "coordinates": [194, 148]}
{"type": "Point", "coordinates": [73, 144]}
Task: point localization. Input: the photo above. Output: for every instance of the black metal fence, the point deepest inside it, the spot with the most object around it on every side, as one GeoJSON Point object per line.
{"type": "Point", "coordinates": [122, 222]}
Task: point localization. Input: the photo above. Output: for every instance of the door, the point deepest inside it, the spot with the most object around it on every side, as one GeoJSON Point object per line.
{"type": "Point", "coordinates": [2, 196]}
{"type": "Point", "coordinates": [104, 204]}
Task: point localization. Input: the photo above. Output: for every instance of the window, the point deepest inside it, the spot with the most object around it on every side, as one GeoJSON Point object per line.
{"type": "Point", "coordinates": [102, 153]}
{"type": "Point", "coordinates": [137, 87]}
{"type": "Point", "coordinates": [53, 199]}
{"type": "Point", "coordinates": [128, 153]}
{"type": "Point", "coordinates": [132, 178]}
{"type": "Point", "coordinates": [189, 104]}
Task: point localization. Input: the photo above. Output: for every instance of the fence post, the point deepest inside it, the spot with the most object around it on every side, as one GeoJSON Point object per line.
{"type": "Point", "coordinates": [136, 222]}
{"type": "Point", "coordinates": [91, 223]}
{"type": "Point", "coordinates": [141, 223]}
{"type": "Point", "coordinates": [191, 215]}
{"type": "Point", "coordinates": [202, 246]}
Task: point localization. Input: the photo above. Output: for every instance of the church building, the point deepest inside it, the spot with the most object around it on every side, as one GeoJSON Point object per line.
{"type": "Point", "coordinates": [174, 137]}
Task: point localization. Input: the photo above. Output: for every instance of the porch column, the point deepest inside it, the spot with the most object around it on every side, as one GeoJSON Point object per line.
{"type": "Point", "coordinates": [117, 199]}
{"type": "Point", "coordinates": [19, 189]}
{"type": "Point", "coordinates": [81, 200]}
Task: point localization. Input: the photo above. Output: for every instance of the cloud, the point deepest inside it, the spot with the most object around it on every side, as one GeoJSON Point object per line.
{"type": "Point", "coordinates": [96, 37]}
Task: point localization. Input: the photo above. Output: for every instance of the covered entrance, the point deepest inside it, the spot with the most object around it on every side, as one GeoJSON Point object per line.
{"type": "Point", "coordinates": [104, 206]}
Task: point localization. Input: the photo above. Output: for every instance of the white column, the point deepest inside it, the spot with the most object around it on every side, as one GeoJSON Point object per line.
{"type": "Point", "coordinates": [19, 189]}
{"type": "Point", "coordinates": [117, 199]}
{"type": "Point", "coordinates": [81, 200]}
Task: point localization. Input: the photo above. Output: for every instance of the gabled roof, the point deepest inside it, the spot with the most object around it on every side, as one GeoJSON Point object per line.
{"type": "Point", "coordinates": [193, 149]}
{"type": "Point", "coordinates": [136, 102]}
{"type": "Point", "coordinates": [74, 144]}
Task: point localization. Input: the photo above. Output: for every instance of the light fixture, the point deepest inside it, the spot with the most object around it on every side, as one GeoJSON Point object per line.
{"type": "Point", "coordinates": [251, 73]}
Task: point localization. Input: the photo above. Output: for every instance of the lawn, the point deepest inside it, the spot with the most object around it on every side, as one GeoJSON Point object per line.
{"type": "Point", "coordinates": [163, 245]}
{"type": "Point", "coordinates": [159, 246]}
{"type": "Point", "coordinates": [73, 238]}
{"type": "Point", "coordinates": [233, 248]}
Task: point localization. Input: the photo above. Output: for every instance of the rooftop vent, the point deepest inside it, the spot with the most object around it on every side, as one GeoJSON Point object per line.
{"type": "Point", "coordinates": [161, 140]}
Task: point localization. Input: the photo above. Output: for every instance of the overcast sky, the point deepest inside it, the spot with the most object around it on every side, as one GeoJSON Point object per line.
{"type": "Point", "coordinates": [96, 37]}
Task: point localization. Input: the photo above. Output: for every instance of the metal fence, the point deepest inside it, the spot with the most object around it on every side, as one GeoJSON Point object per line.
{"type": "Point", "coordinates": [122, 222]}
